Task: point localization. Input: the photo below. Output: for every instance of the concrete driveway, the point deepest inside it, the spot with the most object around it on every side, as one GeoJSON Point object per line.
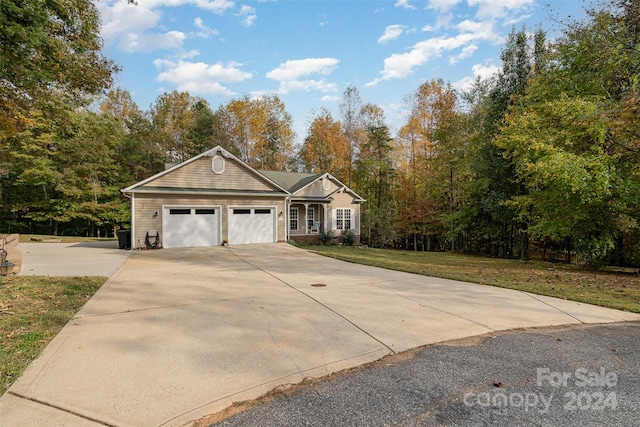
{"type": "Point", "coordinates": [71, 259]}
{"type": "Point", "coordinates": [181, 333]}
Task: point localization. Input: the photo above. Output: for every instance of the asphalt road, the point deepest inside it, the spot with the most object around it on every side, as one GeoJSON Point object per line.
{"type": "Point", "coordinates": [562, 376]}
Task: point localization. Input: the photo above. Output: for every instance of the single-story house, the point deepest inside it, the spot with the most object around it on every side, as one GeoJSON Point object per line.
{"type": "Point", "coordinates": [216, 198]}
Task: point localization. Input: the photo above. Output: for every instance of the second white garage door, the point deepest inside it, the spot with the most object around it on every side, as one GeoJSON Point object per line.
{"type": "Point", "coordinates": [185, 226]}
{"type": "Point", "coordinates": [252, 225]}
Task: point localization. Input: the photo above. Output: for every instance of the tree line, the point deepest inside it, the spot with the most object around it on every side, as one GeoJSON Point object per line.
{"type": "Point", "coordinates": [542, 159]}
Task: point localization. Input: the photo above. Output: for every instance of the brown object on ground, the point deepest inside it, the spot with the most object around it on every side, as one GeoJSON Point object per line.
{"type": "Point", "coordinates": [13, 253]}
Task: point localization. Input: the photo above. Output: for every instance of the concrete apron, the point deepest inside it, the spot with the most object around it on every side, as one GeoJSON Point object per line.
{"type": "Point", "coordinates": [178, 334]}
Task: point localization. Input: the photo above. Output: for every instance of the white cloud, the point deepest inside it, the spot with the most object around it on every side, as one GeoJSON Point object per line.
{"type": "Point", "coordinates": [442, 6]}
{"type": "Point", "coordinates": [481, 30]}
{"type": "Point", "coordinates": [404, 4]}
{"type": "Point", "coordinates": [248, 15]}
{"type": "Point", "coordinates": [471, 33]}
{"type": "Point", "coordinates": [218, 7]}
{"type": "Point", "coordinates": [131, 27]}
{"type": "Point", "coordinates": [205, 32]}
{"type": "Point", "coordinates": [466, 52]}
{"type": "Point", "coordinates": [149, 42]}
{"type": "Point", "coordinates": [330, 98]}
{"type": "Point", "coordinates": [481, 71]}
{"type": "Point", "coordinates": [392, 32]}
{"type": "Point", "coordinates": [491, 9]}
{"type": "Point", "coordinates": [201, 78]}
{"type": "Point", "coordinates": [121, 18]}
{"type": "Point", "coordinates": [400, 65]}
{"type": "Point", "coordinates": [306, 86]}
{"type": "Point", "coordinates": [296, 68]}
{"type": "Point", "coordinates": [290, 74]}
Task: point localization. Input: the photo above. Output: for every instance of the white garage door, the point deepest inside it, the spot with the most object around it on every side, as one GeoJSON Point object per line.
{"type": "Point", "coordinates": [251, 225]}
{"type": "Point", "coordinates": [184, 226]}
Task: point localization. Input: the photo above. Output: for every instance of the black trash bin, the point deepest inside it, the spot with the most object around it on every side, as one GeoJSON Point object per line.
{"type": "Point", "coordinates": [124, 239]}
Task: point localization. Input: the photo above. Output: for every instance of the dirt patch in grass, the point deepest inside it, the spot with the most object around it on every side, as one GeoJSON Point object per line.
{"type": "Point", "coordinates": [33, 309]}
{"type": "Point", "coordinates": [619, 290]}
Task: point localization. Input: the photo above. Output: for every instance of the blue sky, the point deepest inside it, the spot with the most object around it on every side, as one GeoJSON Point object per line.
{"type": "Point", "coordinates": [308, 52]}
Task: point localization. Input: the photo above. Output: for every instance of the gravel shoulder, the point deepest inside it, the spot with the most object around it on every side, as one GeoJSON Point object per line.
{"type": "Point", "coordinates": [587, 375]}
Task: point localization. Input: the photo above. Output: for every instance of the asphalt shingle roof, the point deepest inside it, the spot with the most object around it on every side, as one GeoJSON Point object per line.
{"type": "Point", "coordinates": [292, 181]}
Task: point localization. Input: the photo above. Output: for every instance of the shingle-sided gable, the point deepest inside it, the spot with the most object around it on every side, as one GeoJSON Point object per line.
{"type": "Point", "coordinates": [197, 174]}
{"type": "Point", "coordinates": [315, 186]}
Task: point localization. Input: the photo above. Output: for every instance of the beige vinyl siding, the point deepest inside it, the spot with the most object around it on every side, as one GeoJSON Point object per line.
{"type": "Point", "coordinates": [316, 190]}
{"type": "Point", "coordinates": [147, 204]}
{"type": "Point", "coordinates": [198, 174]}
{"type": "Point", "coordinates": [345, 200]}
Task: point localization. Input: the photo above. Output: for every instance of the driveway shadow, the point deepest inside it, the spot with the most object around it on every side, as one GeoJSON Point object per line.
{"type": "Point", "coordinates": [109, 244]}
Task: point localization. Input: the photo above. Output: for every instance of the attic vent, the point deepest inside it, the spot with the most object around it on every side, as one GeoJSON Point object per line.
{"type": "Point", "coordinates": [217, 164]}
{"type": "Point", "coordinates": [326, 185]}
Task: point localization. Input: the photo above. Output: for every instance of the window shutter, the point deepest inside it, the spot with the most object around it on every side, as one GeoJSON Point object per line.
{"type": "Point", "coordinates": [354, 226]}
{"type": "Point", "coordinates": [333, 218]}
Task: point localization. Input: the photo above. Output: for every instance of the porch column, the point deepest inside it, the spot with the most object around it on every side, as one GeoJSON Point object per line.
{"type": "Point", "coordinates": [325, 219]}
{"type": "Point", "coordinates": [306, 223]}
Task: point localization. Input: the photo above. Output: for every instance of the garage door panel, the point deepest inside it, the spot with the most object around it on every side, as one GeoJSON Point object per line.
{"type": "Point", "coordinates": [189, 226]}
{"type": "Point", "coordinates": [251, 225]}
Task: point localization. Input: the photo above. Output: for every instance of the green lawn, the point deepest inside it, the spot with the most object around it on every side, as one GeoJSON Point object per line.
{"type": "Point", "coordinates": [33, 309]}
{"type": "Point", "coordinates": [614, 290]}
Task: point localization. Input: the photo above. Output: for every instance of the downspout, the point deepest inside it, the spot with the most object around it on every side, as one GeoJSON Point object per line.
{"type": "Point", "coordinates": [133, 223]}
{"type": "Point", "coordinates": [287, 205]}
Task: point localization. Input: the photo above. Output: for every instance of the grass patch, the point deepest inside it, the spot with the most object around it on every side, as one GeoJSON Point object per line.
{"type": "Point", "coordinates": [33, 309]}
{"type": "Point", "coordinates": [29, 238]}
{"type": "Point", "coordinates": [608, 289]}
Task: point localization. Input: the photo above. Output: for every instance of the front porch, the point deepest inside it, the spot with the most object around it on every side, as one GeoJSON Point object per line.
{"type": "Point", "coordinates": [307, 221]}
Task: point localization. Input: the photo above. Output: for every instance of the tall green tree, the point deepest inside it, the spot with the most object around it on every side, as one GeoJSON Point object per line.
{"type": "Point", "coordinates": [375, 181]}
{"type": "Point", "coordinates": [50, 58]}
{"type": "Point", "coordinates": [352, 126]}
{"type": "Point", "coordinates": [173, 118]}
{"type": "Point", "coordinates": [140, 153]}
{"type": "Point", "coordinates": [572, 141]}
{"type": "Point", "coordinates": [494, 224]}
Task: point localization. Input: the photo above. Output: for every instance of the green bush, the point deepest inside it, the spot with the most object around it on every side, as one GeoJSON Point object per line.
{"type": "Point", "coordinates": [592, 252]}
{"type": "Point", "coordinates": [326, 238]}
{"type": "Point", "coordinates": [348, 238]}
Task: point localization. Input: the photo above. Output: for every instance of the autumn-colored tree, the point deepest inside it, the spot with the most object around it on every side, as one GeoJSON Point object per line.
{"type": "Point", "coordinates": [428, 143]}
{"type": "Point", "coordinates": [258, 130]}
{"type": "Point", "coordinates": [273, 147]}
{"type": "Point", "coordinates": [183, 125]}
{"type": "Point", "coordinates": [325, 147]}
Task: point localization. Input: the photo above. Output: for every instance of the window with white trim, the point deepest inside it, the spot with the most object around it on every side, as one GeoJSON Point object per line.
{"type": "Point", "coordinates": [293, 218]}
{"type": "Point", "coordinates": [343, 219]}
{"type": "Point", "coordinates": [311, 217]}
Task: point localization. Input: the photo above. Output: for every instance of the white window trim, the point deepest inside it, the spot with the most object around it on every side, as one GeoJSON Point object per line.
{"type": "Point", "coordinates": [297, 210]}
{"type": "Point", "coordinates": [334, 218]}
{"type": "Point", "coordinates": [311, 210]}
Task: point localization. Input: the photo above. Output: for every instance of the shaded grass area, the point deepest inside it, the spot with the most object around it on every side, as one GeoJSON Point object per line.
{"type": "Point", "coordinates": [33, 309]}
{"type": "Point", "coordinates": [28, 238]}
{"type": "Point", "coordinates": [608, 289]}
